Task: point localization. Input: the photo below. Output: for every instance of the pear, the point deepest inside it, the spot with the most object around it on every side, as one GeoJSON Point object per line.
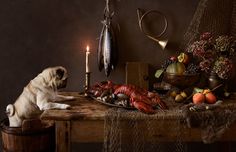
{"type": "Point", "coordinates": [179, 98]}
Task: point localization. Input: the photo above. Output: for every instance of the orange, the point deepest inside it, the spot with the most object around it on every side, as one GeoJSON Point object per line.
{"type": "Point", "coordinates": [198, 98]}
{"type": "Point", "coordinates": [210, 98]}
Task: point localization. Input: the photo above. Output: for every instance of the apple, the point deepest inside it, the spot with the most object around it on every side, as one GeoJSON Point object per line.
{"type": "Point", "coordinates": [173, 58]}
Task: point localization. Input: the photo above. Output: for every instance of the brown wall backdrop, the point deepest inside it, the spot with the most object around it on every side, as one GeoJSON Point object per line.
{"type": "Point", "coordinates": [35, 34]}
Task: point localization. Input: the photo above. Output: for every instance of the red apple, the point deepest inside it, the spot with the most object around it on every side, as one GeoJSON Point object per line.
{"type": "Point", "coordinates": [173, 58]}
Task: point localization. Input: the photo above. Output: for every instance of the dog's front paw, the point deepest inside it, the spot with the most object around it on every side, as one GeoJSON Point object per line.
{"type": "Point", "coordinates": [70, 98]}
{"type": "Point", "coordinates": [65, 106]}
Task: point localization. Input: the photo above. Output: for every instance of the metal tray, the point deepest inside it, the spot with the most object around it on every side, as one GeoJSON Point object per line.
{"type": "Point", "coordinates": [111, 105]}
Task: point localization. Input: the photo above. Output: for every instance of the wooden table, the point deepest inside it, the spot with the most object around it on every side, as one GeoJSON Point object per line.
{"type": "Point", "coordinates": [84, 123]}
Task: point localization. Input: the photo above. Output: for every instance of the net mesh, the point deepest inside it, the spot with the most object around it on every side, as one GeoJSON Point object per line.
{"type": "Point", "coordinates": [165, 131]}
{"type": "Point", "coordinates": [215, 16]}
{"type": "Point", "coordinates": [128, 130]}
{"type": "Point", "coordinates": [213, 123]}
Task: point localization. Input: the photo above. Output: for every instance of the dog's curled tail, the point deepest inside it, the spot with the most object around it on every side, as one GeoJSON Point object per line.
{"type": "Point", "coordinates": [10, 110]}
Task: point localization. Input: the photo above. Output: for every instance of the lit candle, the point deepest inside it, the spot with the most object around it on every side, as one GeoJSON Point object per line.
{"type": "Point", "coordinates": [87, 59]}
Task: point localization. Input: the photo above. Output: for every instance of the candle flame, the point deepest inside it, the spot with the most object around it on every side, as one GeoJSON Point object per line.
{"type": "Point", "coordinates": [87, 48]}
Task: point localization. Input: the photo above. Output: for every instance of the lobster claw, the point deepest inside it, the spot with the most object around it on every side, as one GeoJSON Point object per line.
{"type": "Point", "coordinates": [160, 104]}
{"type": "Point", "coordinates": [156, 99]}
{"type": "Point", "coordinates": [143, 107]}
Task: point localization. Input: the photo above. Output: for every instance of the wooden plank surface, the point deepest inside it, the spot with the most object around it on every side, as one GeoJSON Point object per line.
{"type": "Point", "coordinates": [84, 108]}
{"type": "Point", "coordinates": [87, 131]}
{"type": "Point", "coordinates": [84, 122]}
{"type": "Point", "coordinates": [137, 74]}
{"type": "Point", "coordinates": [63, 131]}
{"type": "Point", "coordinates": [93, 131]}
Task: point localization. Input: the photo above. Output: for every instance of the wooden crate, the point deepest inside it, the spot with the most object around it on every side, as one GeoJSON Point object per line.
{"type": "Point", "coordinates": [137, 74]}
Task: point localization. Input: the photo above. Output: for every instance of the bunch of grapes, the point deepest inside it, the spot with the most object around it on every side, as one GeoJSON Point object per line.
{"type": "Point", "coordinates": [167, 62]}
{"type": "Point", "coordinates": [223, 67]}
{"type": "Point", "coordinates": [192, 69]}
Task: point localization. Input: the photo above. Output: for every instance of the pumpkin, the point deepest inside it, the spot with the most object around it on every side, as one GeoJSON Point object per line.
{"type": "Point", "coordinates": [176, 68]}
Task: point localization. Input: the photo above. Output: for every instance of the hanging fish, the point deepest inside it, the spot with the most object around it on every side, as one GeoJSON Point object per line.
{"type": "Point", "coordinates": [100, 50]}
{"type": "Point", "coordinates": [107, 53]}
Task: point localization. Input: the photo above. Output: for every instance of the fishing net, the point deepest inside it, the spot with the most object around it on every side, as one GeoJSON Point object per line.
{"type": "Point", "coordinates": [130, 130]}
{"type": "Point", "coordinates": [168, 130]}
{"type": "Point", "coordinates": [213, 123]}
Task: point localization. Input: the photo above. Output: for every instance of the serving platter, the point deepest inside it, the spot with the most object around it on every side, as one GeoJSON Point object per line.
{"type": "Point", "coordinates": [112, 104]}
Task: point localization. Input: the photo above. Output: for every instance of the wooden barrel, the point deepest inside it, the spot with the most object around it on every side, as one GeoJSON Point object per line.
{"type": "Point", "coordinates": [39, 139]}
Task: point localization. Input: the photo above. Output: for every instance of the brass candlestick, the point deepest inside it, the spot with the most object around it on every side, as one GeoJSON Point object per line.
{"type": "Point", "coordinates": [87, 83]}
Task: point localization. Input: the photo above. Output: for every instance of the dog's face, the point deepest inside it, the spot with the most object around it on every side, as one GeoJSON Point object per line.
{"type": "Point", "coordinates": [56, 77]}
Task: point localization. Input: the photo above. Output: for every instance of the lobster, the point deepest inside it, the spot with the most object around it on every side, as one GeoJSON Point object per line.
{"type": "Point", "coordinates": [99, 88]}
{"type": "Point", "coordinates": [141, 99]}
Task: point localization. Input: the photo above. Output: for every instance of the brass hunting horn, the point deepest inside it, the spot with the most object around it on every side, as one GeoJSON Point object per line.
{"type": "Point", "coordinates": [141, 17]}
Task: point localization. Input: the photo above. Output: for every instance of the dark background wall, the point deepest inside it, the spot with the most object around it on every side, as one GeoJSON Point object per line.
{"type": "Point", "coordinates": [35, 34]}
{"type": "Point", "coordinates": [38, 34]}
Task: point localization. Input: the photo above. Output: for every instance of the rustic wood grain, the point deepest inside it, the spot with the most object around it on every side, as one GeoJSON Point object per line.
{"type": "Point", "coordinates": [93, 131]}
{"type": "Point", "coordinates": [85, 108]}
{"type": "Point", "coordinates": [87, 131]}
{"type": "Point", "coordinates": [63, 131]}
{"type": "Point", "coordinates": [84, 122]}
{"type": "Point", "coordinates": [137, 74]}
{"type": "Point", "coordinates": [36, 139]}
{"type": "Point", "coordinates": [82, 108]}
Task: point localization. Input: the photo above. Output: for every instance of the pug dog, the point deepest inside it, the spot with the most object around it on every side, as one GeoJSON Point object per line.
{"type": "Point", "coordinates": [39, 95]}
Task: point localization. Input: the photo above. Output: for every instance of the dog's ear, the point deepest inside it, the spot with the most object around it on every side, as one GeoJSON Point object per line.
{"type": "Point", "coordinates": [60, 73]}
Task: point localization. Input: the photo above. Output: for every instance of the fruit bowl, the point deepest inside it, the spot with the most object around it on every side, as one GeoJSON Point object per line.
{"type": "Point", "coordinates": [181, 81]}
